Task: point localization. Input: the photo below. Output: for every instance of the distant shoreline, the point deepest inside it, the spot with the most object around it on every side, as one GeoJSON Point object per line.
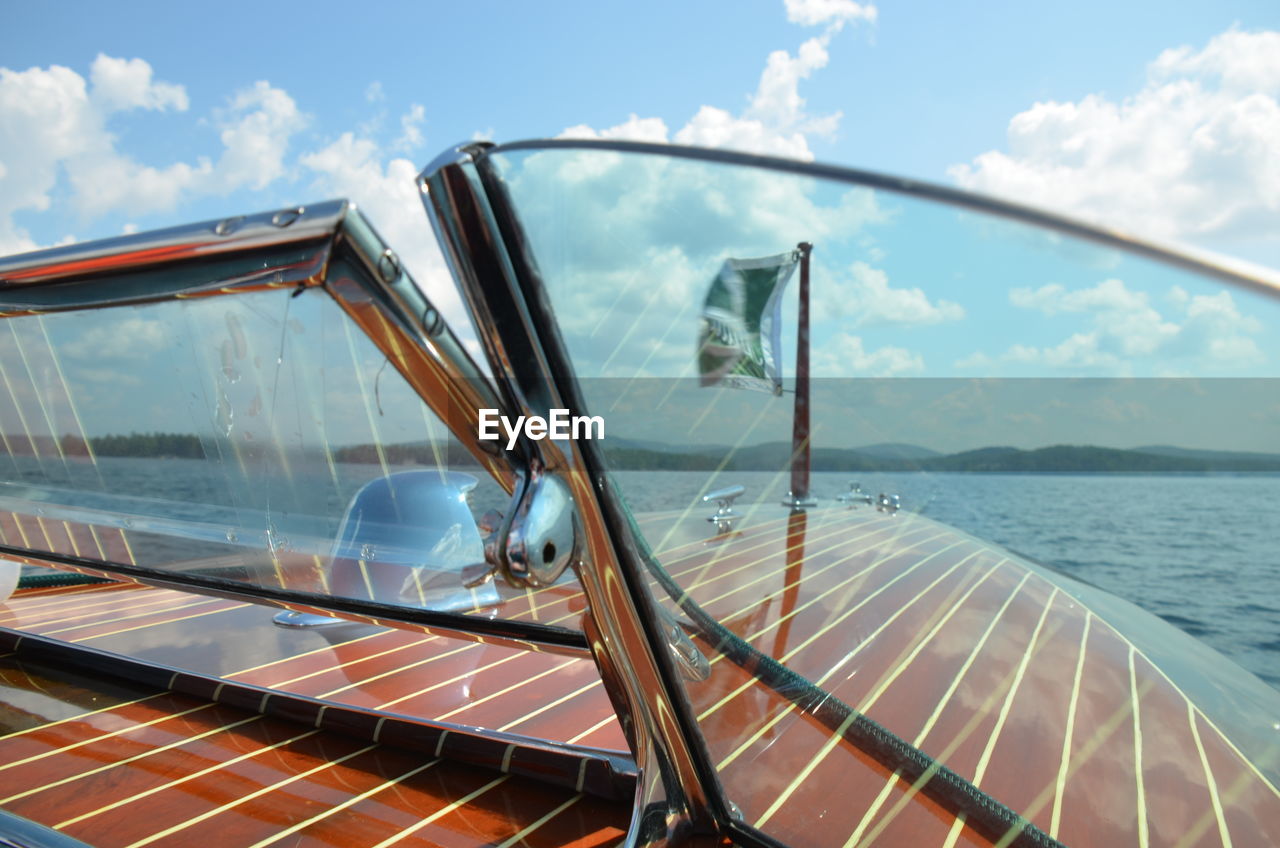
{"type": "Point", "coordinates": [637, 456]}
{"type": "Point", "coordinates": [1060, 459]}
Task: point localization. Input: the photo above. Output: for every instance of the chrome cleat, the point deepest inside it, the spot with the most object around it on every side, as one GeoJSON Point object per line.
{"type": "Point", "coordinates": [724, 515]}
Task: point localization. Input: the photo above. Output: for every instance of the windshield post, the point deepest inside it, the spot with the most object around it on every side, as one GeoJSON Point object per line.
{"type": "Point", "coordinates": [487, 253]}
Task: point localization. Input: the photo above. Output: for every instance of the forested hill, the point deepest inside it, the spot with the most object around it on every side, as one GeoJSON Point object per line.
{"type": "Point", "coordinates": [771, 456]}
{"type": "Point", "coordinates": [184, 445]}
{"type": "Point", "coordinates": [1057, 458]}
{"type": "Point", "coordinates": [189, 446]}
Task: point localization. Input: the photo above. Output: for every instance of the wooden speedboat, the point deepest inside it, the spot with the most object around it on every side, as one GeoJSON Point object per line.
{"type": "Point", "coordinates": [304, 603]}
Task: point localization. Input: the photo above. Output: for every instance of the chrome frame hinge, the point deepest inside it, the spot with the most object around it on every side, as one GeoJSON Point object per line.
{"type": "Point", "coordinates": [545, 534]}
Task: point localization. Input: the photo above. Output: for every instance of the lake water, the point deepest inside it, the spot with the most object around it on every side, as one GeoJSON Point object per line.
{"type": "Point", "coordinates": [1198, 550]}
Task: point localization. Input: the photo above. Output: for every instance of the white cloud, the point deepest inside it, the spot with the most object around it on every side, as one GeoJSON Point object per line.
{"type": "Point", "coordinates": [1080, 351]}
{"type": "Point", "coordinates": [411, 129]}
{"type": "Point", "coordinates": [712, 127]}
{"type": "Point", "coordinates": [103, 180]}
{"type": "Point", "coordinates": [868, 299]}
{"type": "Point", "coordinates": [777, 99]}
{"type": "Point", "coordinates": [256, 130]}
{"type": "Point", "coordinates": [1125, 329]}
{"type": "Point", "coordinates": [374, 92]}
{"type": "Point", "coordinates": [974, 361]}
{"type": "Point", "coordinates": [845, 355]}
{"type": "Point", "coordinates": [1193, 154]}
{"type": "Point", "coordinates": [1242, 60]}
{"type": "Point", "coordinates": [634, 128]}
{"type": "Point", "coordinates": [120, 84]}
{"type": "Point", "coordinates": [832, 12]}
{"type": "Point", "coordinates": [55, 125]}
{"type": "Point", "coordinates": [776, 120]}
{"type": "Point", "coordinates": [1123, 317]}
{"type": "Point", "coordinates": [629, 260]}
{"type": "Point", "coordinates": [45, 117]}
{"type": "Point", "coordinates": [386, 190]}
{"type": "Point", "coordinates": [1215, 327]}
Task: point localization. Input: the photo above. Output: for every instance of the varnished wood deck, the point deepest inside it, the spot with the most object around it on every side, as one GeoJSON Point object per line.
{"type": "Point", "coordinates": [154, 768]}
{"type": "Point", "coordinates": [982, 663]}
{"type": "Point", "coordinates": [958, 648]}
{"type": "Point", "coordinates": [429, 677]}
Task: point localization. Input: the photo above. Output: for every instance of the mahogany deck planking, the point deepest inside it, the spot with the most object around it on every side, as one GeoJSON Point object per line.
{"type": "Point", "coordinates": [226, 777]}
{"type": "Point", "coordinates": [929, 593]}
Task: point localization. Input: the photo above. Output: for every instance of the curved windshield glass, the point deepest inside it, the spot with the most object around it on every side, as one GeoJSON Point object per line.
{"type": "Point", "coordinates": [879, 451]}
{"type": "Point", "coordinates": [260, 438]}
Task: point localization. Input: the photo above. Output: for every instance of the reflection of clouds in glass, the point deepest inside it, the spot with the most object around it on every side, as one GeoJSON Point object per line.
{"type": "Point", "coordinates": [628, 244]}
{"type": "Point", "coordinates": [1216, 327]}
{"type": "Point", "coordinates": [264, 368]}
{"type": "Point", "coordinates": [604, 204]}
{"type": "Point", "coordinates": [103, 375]}
{"type": "Point", "coordinates": [132, 337]}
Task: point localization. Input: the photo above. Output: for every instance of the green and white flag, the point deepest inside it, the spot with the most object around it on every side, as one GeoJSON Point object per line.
{"type": "Point", "coordinates": [739, 344]}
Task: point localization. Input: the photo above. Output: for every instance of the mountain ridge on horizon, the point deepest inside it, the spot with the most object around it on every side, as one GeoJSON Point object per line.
{"type": "Point", "coordinates": [630, 454]}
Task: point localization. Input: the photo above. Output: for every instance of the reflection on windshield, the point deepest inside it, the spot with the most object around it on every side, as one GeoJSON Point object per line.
{"type": "Point", "coordinates": [1040, 392]}
{"type": "Point", "coordinates": [258, 438]}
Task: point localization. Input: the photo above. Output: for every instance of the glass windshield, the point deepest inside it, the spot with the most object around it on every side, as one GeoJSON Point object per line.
{"type": "Point", "coordinates": [995, 412]}
{"type": "Point", "coordinates": [259, 438]}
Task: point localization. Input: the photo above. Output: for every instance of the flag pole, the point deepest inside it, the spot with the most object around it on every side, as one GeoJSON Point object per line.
{"type": "Point", "coordinates": [798, 498]}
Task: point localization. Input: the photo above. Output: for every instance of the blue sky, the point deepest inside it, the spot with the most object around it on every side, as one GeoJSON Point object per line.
{"type": "Point", "coordinates": [1153, 117]}
{"type": "Point", "coordinates": [920, 87]}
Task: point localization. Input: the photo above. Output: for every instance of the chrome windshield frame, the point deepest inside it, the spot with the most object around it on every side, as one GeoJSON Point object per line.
{"type": "Point", "coordinates": [488, 257]}
{"type": "Point", "coordinates": [290, 248]}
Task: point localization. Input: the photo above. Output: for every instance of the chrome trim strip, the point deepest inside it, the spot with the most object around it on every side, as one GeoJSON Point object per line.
{"type": "Point", "coordinates": [512, 634]}
{"type": "Point", "coordinates": [478, 256]}
{"type": "Point", "coordinates": [190, 241]}
{"type": "Point", "coordinates": [392, 310]}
